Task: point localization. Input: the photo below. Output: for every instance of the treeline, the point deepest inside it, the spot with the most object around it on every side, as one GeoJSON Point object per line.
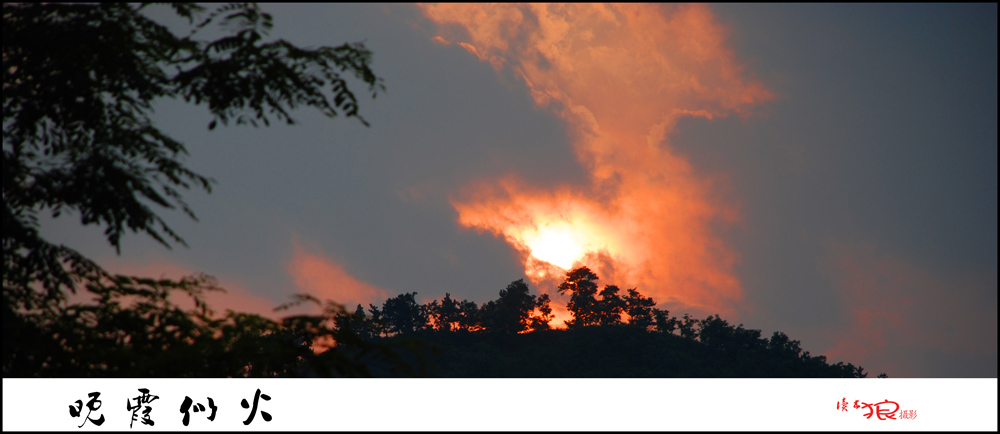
{"type": "Point", "coordinates": [515, 311]}
{"type": "Point", "coordinates": [511, 337]}
{"type": "Point", "coordinates": [136, 330]}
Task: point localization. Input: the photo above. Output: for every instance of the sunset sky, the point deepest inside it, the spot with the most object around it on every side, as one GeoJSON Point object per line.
{"type": "Point", "coordinates": [829, 171]}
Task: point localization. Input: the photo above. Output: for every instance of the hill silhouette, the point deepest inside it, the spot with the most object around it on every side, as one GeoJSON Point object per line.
{"type": "Point", "coordinates": [611, 336]}
{"type": "Point", "coordinates": [603, 352]}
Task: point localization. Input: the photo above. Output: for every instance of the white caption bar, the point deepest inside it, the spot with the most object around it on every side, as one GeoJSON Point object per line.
{"type": "Point", "coordinates": [500, 404]}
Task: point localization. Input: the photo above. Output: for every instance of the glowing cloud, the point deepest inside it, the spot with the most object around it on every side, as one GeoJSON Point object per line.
{"type": "Point", "coordinates": [620, 76]}
{"type": "Point", "coordinates": [326, 279]}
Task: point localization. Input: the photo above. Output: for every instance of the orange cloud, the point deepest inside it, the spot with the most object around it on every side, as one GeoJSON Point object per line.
{"type": "Point", "coordinates": [620, 76]}
{"type": "Point", "coordinates": [326, 279]}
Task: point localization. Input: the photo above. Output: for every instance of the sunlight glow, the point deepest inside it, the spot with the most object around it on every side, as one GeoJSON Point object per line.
{"type": "Point", "coordinates": [557, 246]}
{"type": "Point", "coordinates": [620, 77]}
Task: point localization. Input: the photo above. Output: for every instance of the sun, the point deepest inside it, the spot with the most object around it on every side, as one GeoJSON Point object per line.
{"type": "Point", "coordinates": [556, 245]}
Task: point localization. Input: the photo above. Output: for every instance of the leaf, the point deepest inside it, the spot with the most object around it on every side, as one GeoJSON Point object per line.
{"type": "Point", "coordinates": [83, 81]}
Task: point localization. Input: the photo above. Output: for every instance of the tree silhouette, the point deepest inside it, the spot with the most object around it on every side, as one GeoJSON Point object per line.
{"type": "Point", "coordinates": [688, 327]}
{"type": "Point", "coordinates": [357, 323]}
{"type": "Point", "coordinates": [664, 322]}
{"type": "Point", "coordinates": [446, 314]}
{"type": "Point", "coordinates": [469, 316]}
{"type": "Point", "coordinates": [540, 320]}
{"type": "Point", "coordinates": [375, 321]}
{"type": "Point", "coordinates": [582, 286]}
{"type": "Point", "coordinates": [640, 310]}
{"type": "Point", "coordinates": [514, 311]}
{"type": "Point", "coordinates": [79, 84]}
{"type": "Point", "coordinates": [716, 332]}
{"type": "Point", "coordinates": [610, 307]}
{"type": "Point", "coordinates": [403, 315]}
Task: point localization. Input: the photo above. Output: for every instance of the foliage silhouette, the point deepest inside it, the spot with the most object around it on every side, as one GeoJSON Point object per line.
{"type": "Point", "coordinates": [580, 283]}
{"type": "Point", "coordinates": [79, 84]}
{"type": "Point", "coordinates": [508, 342]}
{"type": "Point", "coordinates": [445, 315]}
{"type": "Point", "coordinates": [403, 315]}
{"type": "Point", "coordinates": [543, 316]}
{"type": "Point", "coordinates": [640, 310]}
{"type": "Point", "coordinates": [664, 322]}
{"type": "Point", "coordinates": [470, 319]}
{"type": "Point", "coordinates": [514, 311]}
{"type": "Point", "coordinates": [610, 307]}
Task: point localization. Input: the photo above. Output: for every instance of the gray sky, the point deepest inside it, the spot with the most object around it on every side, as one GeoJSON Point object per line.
{"type": "Point", "coordinates": [843, 191]}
